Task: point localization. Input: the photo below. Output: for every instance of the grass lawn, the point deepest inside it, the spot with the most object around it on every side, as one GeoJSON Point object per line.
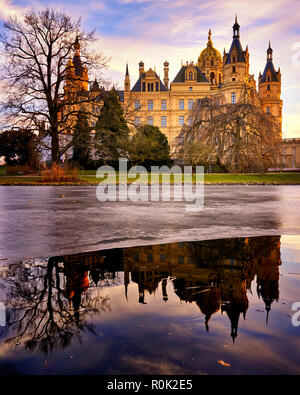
{"type": "Point", "coordinates": [89, 177]}
{"type": "Point", "coordinates": [265, 178]}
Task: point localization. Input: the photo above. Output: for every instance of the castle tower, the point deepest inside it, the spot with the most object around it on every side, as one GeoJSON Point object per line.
{"type": "Point", "coordinates": [210, 63]}
{"type": "Point", "coordinates": [166, 75]}
{"type": "Point", "coordinates": [81, 72]}
{"type": "Point", "coordinates": [69, 87]}
{"type": "Point", "coordinates": [127, 80]}
{"type": "Point", "coordinates": [269, 89]}
{"type": "Point", "coordinates": [236, 62]}
{"type": "Point", "coordinates": [238, 85]}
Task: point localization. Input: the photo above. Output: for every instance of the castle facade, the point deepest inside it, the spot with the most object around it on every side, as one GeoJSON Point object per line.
{"type": "Point", "coordinates": [168, 105]}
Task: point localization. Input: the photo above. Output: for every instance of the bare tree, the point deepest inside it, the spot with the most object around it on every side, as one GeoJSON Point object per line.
{"type": "Point", "coordinates": [37, 49]}
{"type": "Point", "coordinates": [240, 136]}
{"type": "Point", "coordinates": [40, 316]}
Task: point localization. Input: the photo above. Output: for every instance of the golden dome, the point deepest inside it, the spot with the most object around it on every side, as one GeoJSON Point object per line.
{"type": "Point", "coordinates": [209, 51]}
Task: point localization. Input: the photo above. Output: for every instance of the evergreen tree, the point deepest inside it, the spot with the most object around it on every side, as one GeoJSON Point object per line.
{"type": "Point", "coordinates": [82, 141]}
{"type": "Point", "coordinates": [111, 129]}
{"type": "Point", "coordinates": [149, 147]}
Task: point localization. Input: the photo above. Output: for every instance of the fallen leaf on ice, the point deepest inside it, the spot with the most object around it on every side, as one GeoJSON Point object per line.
{"type": "Point", "coordinates": [224, 363]}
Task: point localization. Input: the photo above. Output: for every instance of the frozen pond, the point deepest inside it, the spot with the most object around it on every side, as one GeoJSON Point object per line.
{"type": "Point", "coordinates": [45, 221]}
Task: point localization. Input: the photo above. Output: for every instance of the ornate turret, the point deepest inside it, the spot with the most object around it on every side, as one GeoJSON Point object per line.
{"type": "Point", "coordinates": [210, 62]}
{"type": "Point", "coordinates": [236, 67]}
{"type": "Point", "coordinates": [141, 68]}
{"type": "Point", "coordinates": [77, 46]}
{"type": "Point", "coordinates": [81, 72]}
{"type": "Point", "coordinates": [269, 89]}
{"type": "Point", "coordinates": [233, 311]}
{"type": "Point", "coordinates": [70, 69]}
{"type": "Point", "coordinates": [166, 75]}
{"type": "Point", "coordinates": [236, 29]}
{"type": "Point", "coordinates": [127, 80]}
{"type": "Point", "coordinates": [76, 59]}
{"type": "Point", "coordinates": [236, 53]}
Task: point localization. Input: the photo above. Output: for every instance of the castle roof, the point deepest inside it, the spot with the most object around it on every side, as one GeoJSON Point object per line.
{"type": "Point", "coordinates": [180, 77]}
{"type": "Point", "coordinates": [274, 75]}
{"type": "Point", "coordinates": [138, 85]}
{"type": "Point", "coordinates": [236, 44]}
{"type": "Point", "coordinates": [269, 67]}
{"type": "Point", "coordinates": [209, 51]}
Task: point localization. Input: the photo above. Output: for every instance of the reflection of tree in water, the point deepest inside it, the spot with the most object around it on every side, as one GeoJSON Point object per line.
{"type": "Point", "coordinates": [49, 308]}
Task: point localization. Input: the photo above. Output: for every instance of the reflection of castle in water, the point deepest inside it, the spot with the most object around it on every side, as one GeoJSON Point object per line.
{"type": "Point", "coordinates": [214, 274]}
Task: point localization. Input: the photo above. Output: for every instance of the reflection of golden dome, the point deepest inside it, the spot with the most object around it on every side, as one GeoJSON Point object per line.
{"type": "Point", "coordinates": [209, 51]}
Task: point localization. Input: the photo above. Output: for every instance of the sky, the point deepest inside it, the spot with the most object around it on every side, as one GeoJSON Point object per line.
{"type": "Point", "coordinates": [157, 30]}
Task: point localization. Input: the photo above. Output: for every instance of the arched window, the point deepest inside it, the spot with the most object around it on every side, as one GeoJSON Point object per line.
{"type": "Point", "coordinates": [233, 59]}
{"type": "Point", "coordinates": [233, 69]}
{"type": "Point", "coordinates": [212, 62]}
{"type": "Point", "coordinates": [190, 75]}
{"type": "Point", "coordinates": [212, 78]}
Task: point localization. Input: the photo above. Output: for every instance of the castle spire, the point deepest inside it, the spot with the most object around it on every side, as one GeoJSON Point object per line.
{"type": "Point", "coordinates": [209, 42]}
{"type": "Point", "coordinates": [127, 80]}
{"type": "Point", "coordinates": [77, 45]}
{"type": "Point", "coordinates": [269, 53]}
{"type": "Point", "coordinates": [236, 28]}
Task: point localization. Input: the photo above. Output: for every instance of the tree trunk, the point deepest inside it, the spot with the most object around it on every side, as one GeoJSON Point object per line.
{"type": "Point", "coordinates": [55, 147]}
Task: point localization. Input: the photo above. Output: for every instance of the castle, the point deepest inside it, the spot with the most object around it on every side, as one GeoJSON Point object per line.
{"type": "Point", "coordinates": [155, 102]}
{"type": "Point", "coordinates": [168, 105]}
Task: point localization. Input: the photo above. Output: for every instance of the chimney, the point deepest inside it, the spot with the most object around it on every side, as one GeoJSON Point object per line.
{"type": "Point", "coordinates": [166, 75]}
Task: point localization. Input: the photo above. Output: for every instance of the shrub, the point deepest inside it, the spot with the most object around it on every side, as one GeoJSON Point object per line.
{"type": "Point", "coordinates": [59, 174]}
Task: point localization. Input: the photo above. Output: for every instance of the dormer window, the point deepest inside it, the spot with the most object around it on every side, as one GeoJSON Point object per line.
{"type": "Point", "coordinates": [269, 79]}
{"type": "Point", "coordinates": [233, 59]}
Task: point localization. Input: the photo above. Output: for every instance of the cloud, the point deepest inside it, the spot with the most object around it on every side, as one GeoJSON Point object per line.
{"type": "Point", "coordinates": [159, 30]}
{"type": "Point", "coordinates": [9, 9]}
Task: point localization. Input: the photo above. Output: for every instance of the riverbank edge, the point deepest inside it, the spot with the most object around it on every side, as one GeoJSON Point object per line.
{"type": "Point", "coordinates": [249, 183]}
